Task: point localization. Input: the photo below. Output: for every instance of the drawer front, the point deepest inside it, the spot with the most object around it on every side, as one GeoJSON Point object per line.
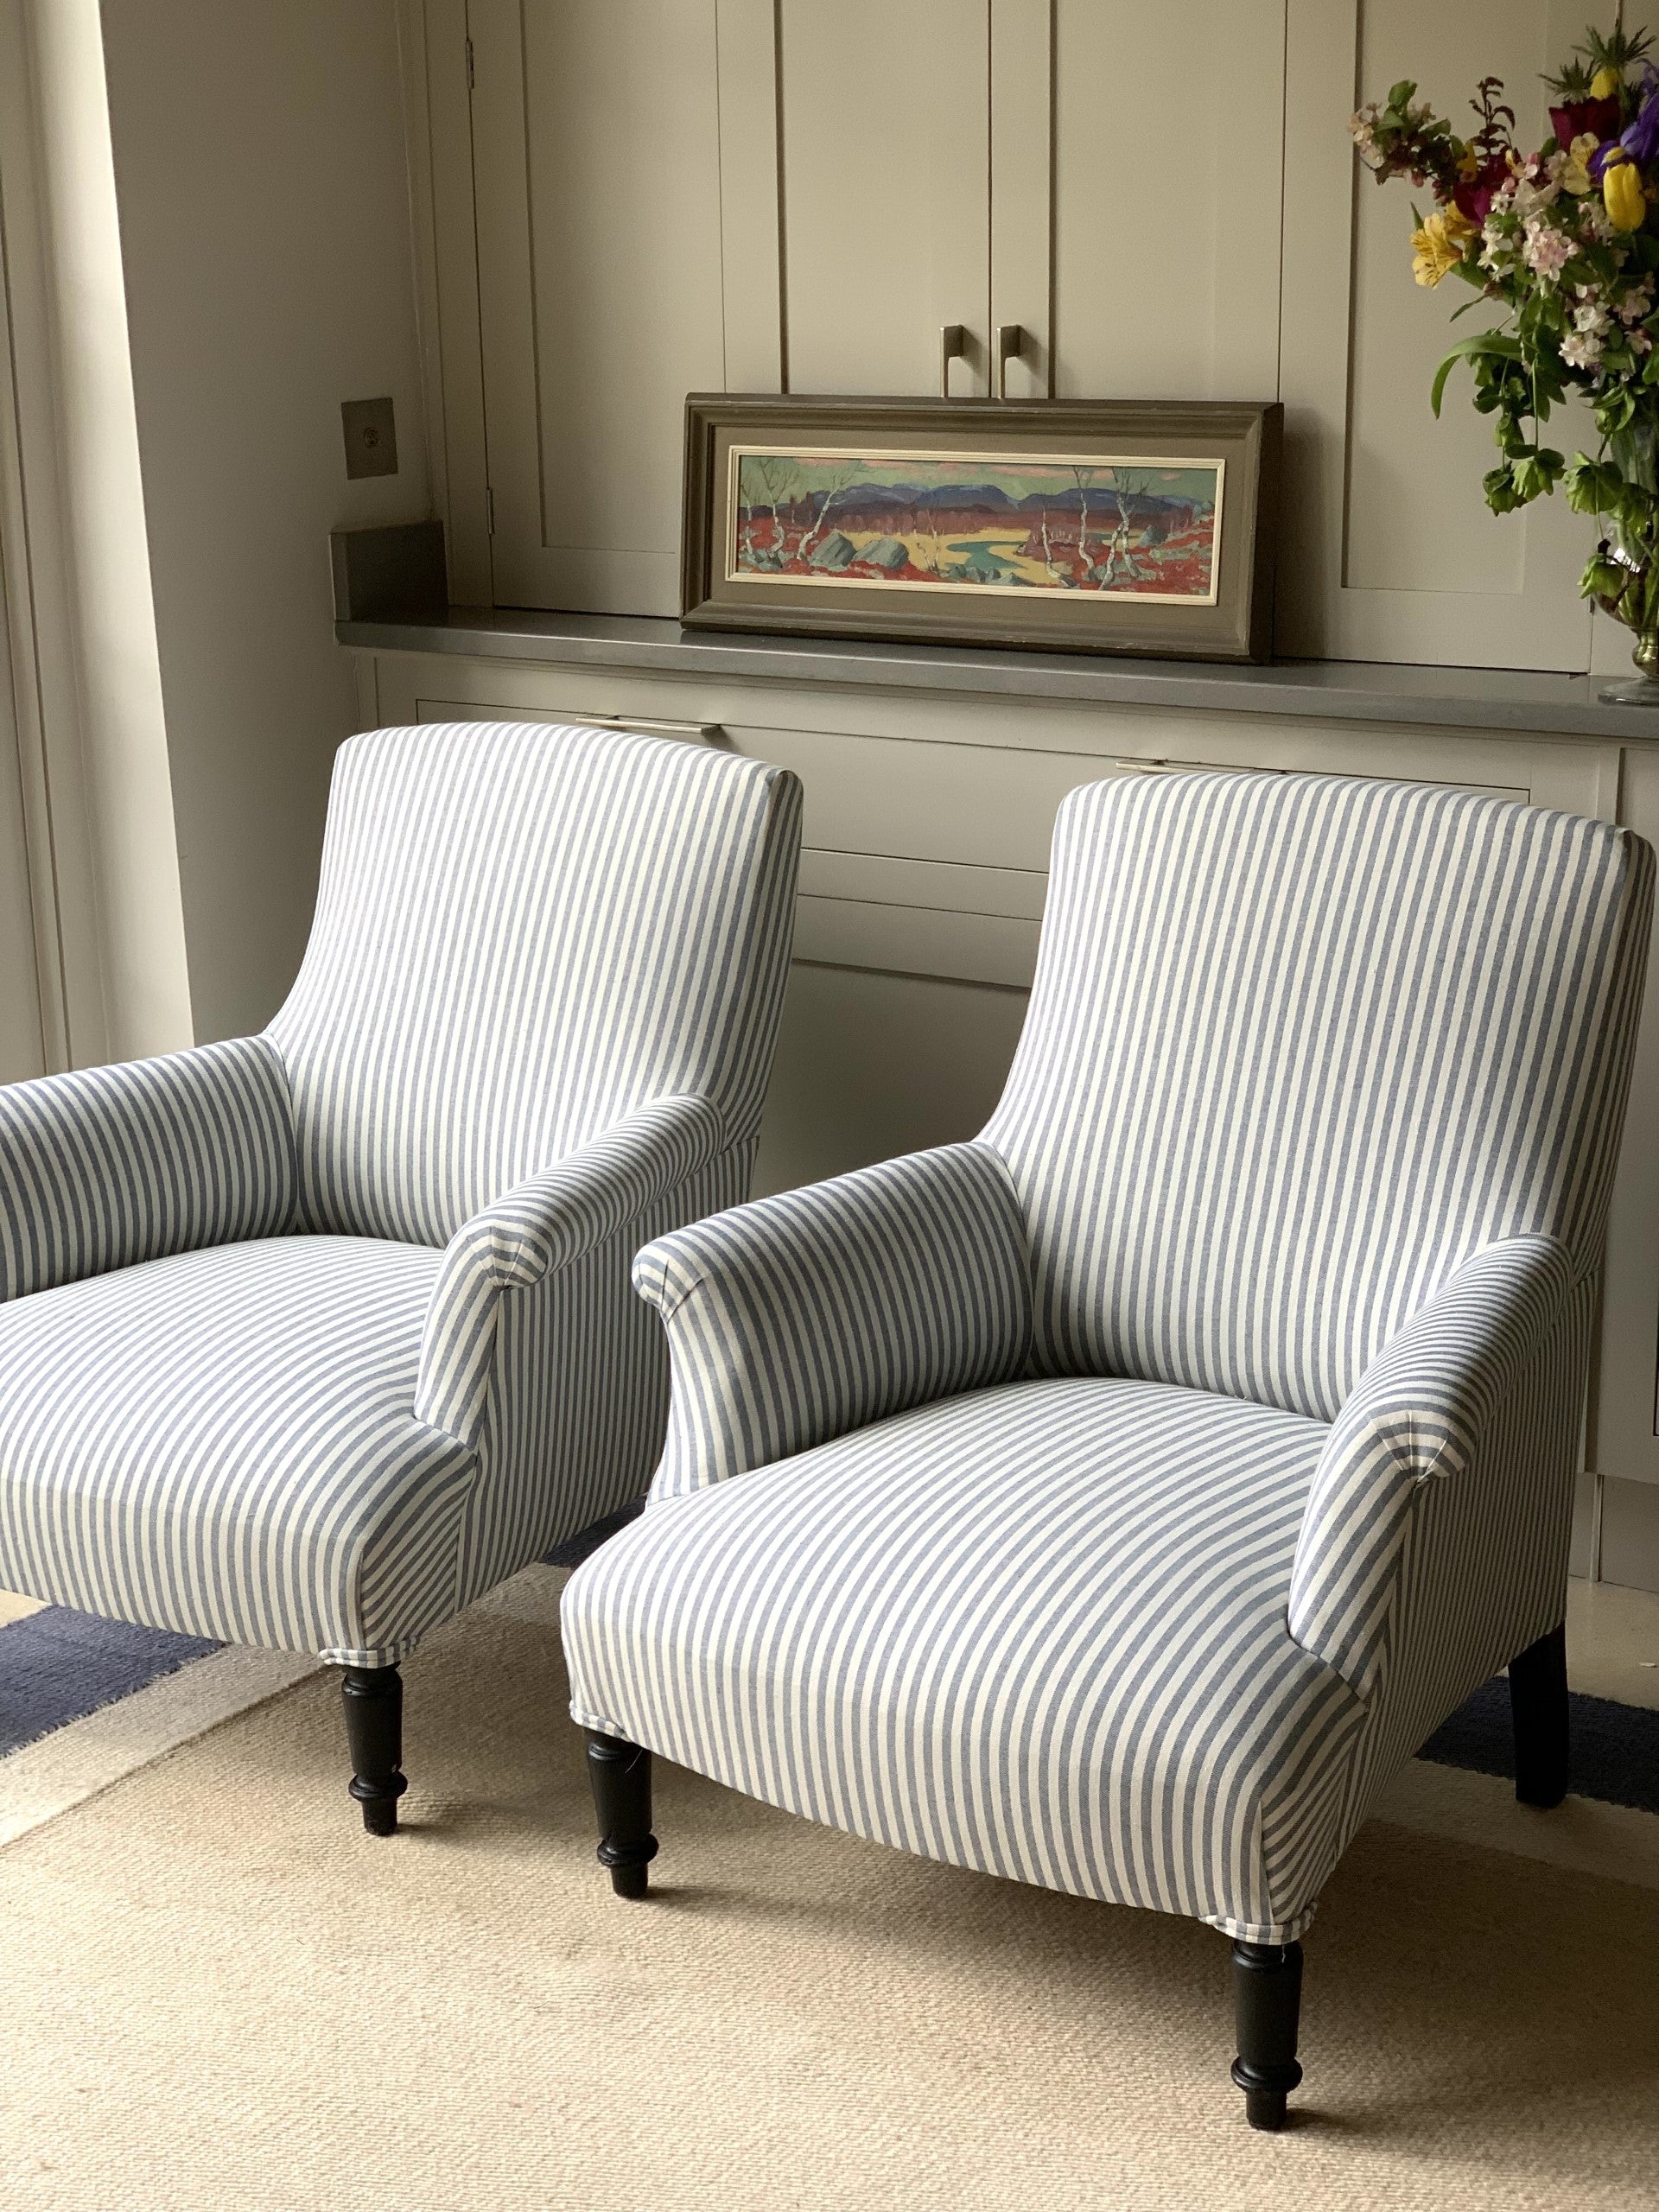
{"type": "Point", "coordinates": [916, 941]}
{"type": "Point", "coordinates": [926, 857]}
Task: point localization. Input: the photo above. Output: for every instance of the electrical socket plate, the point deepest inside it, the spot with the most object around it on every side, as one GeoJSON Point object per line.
{"type": "Point", "coordinates": [371, 437]}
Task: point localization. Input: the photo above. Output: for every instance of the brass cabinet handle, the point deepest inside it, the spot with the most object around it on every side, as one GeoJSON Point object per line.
{"type": "Point", "coordinates": [1010, 344]}
{"type": "Point", "coordinates": [652, 726]}
{"type": "Point", "coordinates": [953, 344]}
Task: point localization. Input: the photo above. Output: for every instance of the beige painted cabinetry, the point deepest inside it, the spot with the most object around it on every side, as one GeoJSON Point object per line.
{"type": "Point", "coordinates": [926, 834]}
{"type": "Point", "coordinates": [674, 195]}
{"type": "Point", "coordinates": [597, 167]}
{"type": "Point", "coordinates": [618, 201]}
{"type": "Point", "coordinates": [1395, 556]}
{"type": "Point", "coordinates": [634, 200]}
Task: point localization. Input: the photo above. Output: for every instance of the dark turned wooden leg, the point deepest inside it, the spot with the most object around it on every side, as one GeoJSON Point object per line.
{"type": "Point", "coordinates": [621, 1774]}
{"type": "Point", "coordinates": [1538, 1704]}
{"type": "Point", "coordinates": [374, 1730]}
{"type": "Point", "coordinates": [1267, 2001]}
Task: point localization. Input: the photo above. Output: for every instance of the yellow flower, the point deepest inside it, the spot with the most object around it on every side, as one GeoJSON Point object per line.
{"type": "Point", "coordinates": [1621, 188]}
{"type": "Point", "coordinates": [1605, 83]}
{"type": "Point", "coordinates": [1574, 176]}
{"type": "Point", "coordinates": [1438, 247]}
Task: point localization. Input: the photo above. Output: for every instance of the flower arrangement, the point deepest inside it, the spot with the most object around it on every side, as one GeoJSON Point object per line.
{"type": "Point", "coordinates": [1565, 241]}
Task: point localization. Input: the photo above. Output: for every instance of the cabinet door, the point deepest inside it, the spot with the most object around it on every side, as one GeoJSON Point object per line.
{"type": "Point", "coordinates": [1395, 556]}
{"type": "Point", "coordinates": [597, 167]}
{"type": "Point", "coordinates": [1625, 1433]}
{"type": "Point", "coordinates": [1166, 160]}
{"type": "Point", "coordinates": [883, 112]}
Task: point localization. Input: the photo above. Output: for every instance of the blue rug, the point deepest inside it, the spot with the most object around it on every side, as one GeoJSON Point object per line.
{"type": "Point", "coordinates": [1614, 1748]}
{"type": "Point", "coordinates": [58, 1666]}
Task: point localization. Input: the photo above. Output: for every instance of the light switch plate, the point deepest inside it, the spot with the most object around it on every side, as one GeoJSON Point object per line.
{"type": "Point", "coordinates": [371, 437]}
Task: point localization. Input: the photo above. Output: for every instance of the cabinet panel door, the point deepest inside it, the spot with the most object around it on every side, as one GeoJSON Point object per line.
{"type": "Point", "coordinates": [1395, 556]}
{"type": "Point", "coordinates": [884, 107]}
{"type": "Point", "coordinates": [1625, 1436]}
{"type": "Point", "coordinates": [597, 161]}
{"type": "Point", "coordinates": [1166, 245]}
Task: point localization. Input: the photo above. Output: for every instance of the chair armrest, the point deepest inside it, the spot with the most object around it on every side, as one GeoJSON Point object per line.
{"type": "Point", "coordinates": [804, 1316]}
{"type": "Point", "coordinates": [107, 1167]}
{"type": "Point", "coordinates": [1419, 1412]}
{"type": "Point", "coordinates": [542, 1224]}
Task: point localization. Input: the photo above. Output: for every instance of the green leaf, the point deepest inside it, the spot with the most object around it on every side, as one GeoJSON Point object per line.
{"type": "Point", "coordinates": [1602, 578]}
{"type": "Point", "coordinates": [1592, 487]}
{"type": "Point", "coordinates": [1502, 496]}
{"type": "Point", "coordinates": [1480, 344]}
{"type": "Point", "coordinates": [1615, 409]}
{"type": "Point", "coordinates": [1536, 474]}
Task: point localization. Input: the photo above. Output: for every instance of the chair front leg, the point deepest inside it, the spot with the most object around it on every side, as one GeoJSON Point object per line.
{"type": "Point", "coordinates": [1539, 1709]}
{"type": "Point", "coordinates": [374, 1734]}
{"type": "Point", "coordinates": [1267, 2004]}
{"type": "Point", "coordinates": [621, 1774]}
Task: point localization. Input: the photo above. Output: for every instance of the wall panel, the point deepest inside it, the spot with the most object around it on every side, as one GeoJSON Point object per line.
{"type": "Point", "coordinates": [1167, 244]}
{"type": "Point", "coordinates": [596, 136]}
{"type": "Point", "coordinates": [1388, 552]}
{"type": "Point", "coordinates": [884, 107]}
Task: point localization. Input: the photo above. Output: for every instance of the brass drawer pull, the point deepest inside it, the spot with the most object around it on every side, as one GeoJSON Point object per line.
{"type": "Point", "coordinates": [654, 726]}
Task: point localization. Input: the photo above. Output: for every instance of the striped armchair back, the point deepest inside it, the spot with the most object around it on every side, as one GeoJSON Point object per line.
{"type": "Point", "coordinates": [521, 933]}
{"type": "Point", "coordinates": [1299, 1045]}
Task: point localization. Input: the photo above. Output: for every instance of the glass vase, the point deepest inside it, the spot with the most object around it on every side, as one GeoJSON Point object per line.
{"type": "Point", "coordinates": [1634, 451]}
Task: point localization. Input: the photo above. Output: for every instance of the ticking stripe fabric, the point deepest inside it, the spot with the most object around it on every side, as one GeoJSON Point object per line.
{"type": "Point", "coordinates": [110, 1166]}
{"type": "Point", "coordinates": [1298, 1047]}
{"type": "Point", "coordinates": [521, 935]}
{"type": "Point", "coordinates": [818, 1310]}
{"type": "Point", "coordinates": [222, 1442]}
{"type": "Point", "coordinates": [1038, 1629]}
{"type": "Point", "coordinates": [580, 1391]}
{"type": "Point", "coordinates": [1482, 1572]}
{"type": "Point", "coordinates": [540, 1227]}
{"type": "Point", "coordinates": [1307, 1149]}
{"type": "Point", "coordinates": [309, 1339]}
{"type": "Point", "coordinates": [1420, 1411]}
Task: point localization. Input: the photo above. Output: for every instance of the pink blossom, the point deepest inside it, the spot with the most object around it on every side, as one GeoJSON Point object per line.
{"type": "Point", "coordinates": [1545, 250]}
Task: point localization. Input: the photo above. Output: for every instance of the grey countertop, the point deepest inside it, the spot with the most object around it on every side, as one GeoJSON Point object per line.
{"type": "Point", "coordinates": [1463, 698]}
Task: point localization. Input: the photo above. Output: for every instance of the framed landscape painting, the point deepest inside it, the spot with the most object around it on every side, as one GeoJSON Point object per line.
{"type": "Point", "coordinates": [1071, 526]}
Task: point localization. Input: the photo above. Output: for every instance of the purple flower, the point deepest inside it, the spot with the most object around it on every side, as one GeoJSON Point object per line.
{"type": "Point", "coordinates": [1641, 139]}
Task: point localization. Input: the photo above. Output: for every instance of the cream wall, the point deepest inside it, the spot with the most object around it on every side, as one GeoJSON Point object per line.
{"type": "Point", "coordinates": [262, 181]}
{"type": "Point", "coordinates": [92, 891]}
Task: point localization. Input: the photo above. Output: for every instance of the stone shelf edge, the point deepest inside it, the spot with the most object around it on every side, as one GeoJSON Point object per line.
{"type": "Point", "coordinates": [1461, 698]}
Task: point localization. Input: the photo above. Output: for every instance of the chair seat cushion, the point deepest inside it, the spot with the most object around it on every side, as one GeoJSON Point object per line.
{"type": "Point", "coordinates": [1038, 1629]}
{"type": "Point", "coordinates": [222, 1442]}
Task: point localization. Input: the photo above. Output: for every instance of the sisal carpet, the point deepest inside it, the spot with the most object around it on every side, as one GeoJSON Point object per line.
{"type": "Point", "coordinates": [215, 1991]}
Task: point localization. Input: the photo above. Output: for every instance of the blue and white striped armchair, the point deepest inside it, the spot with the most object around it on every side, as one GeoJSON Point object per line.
{"type": "Point", "coordinates": [307, 1339]}
{"type": "Point", "coordinates": [1117, 1501]}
